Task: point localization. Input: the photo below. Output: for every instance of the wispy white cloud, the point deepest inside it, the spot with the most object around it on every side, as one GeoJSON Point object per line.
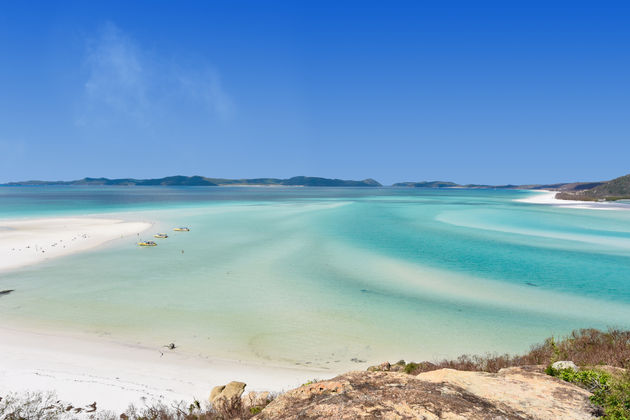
{"type": "Point", "coordinates": [117, 72]}
{"type": "Point", "coordinates": [12, 155]}
{"type": "Point", "coordinates": [128, 81]}
{"type": "Point", "coordinates": [206, 87]}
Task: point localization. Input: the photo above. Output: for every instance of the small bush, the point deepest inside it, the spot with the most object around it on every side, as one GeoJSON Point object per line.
{"type": "Point", "coordinates": [586, 347]}
{"type": "Point", "coordinates": [45, 406]}
{"type": "Point", "coordinates": [411, 367]}
{"type": "Point", "coordinates": [611, 393]}
{"type": "Point", "coordinates": [310, 382]}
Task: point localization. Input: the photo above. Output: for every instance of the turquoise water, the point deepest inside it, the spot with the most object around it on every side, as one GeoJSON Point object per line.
{"type": "Point", "coordinates": [319, 277]}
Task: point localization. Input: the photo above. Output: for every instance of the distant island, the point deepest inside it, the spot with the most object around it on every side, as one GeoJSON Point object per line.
{"type": "Point", "coordinates": [445, 184]}
{"type": "Point", "coordinates": [297, 181]}
{"type": "Point", "coordinates": [616, 189]}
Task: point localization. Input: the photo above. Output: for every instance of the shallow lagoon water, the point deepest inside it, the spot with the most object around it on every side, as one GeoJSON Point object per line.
{"type": "Point", "coordinates": [327, 277]}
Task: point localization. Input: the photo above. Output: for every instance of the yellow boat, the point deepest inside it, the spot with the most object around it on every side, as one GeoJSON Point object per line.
{"type": "Point", "coordinates": [182, 229]}
{"type": "Point", "coordinates": [147, 243]}
{"type": "Point", "coordinates": [160, 235]}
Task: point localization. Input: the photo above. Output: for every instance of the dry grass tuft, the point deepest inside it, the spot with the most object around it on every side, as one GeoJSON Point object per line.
{"type": "Point", "coordinates": [46, 406]}
{"type": "Point", "coordinates": [585, 347]}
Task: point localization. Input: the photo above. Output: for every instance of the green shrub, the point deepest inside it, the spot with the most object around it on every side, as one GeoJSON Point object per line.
{"type": "Point", "coordinates": [610, 392]}
{"type": "Point", "coordinates": [312, 381]}
{"type": "Point", "coordinates": [411, 367]}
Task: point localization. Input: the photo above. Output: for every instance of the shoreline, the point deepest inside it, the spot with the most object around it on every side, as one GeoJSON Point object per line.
{"type": "Point", "coordinates": [25, 242]}
{"type": "Point", "coordinates": [112, 374]}
{"type": "Point", "coordinates": [83, 369]}
{"type": "Point", "coordinates": [548, 197]}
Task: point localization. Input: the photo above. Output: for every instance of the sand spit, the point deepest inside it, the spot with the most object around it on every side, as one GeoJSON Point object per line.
{"type": "Point", "coordinates": [31, 241]}
{"type": "Point", "coordinates": [549, 198]}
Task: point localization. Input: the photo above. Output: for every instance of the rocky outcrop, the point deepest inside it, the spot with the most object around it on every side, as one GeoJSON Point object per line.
{"type": "Point", "coordinates": [527, 392]}
{"type": "Point", "coordinates": [510, 394]}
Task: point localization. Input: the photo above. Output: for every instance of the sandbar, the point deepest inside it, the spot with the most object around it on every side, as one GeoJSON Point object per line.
{"type": "Point", "coordinates": [549, 198]}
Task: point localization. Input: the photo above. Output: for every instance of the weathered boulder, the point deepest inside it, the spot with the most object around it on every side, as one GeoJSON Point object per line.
{"type": "Point", "coordinates": [226, 399]}
{"type": "Point", "coordinates": [233, 390]}
{"type": "Point", "coordinates": [511, 394]}
{"type": "Point", "coordinates": [565, 364]}
{"type": "Point", "coordinates": [216, 391]}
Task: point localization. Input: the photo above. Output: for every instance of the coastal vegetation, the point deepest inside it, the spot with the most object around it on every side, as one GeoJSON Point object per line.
{"type": "Point", "coordinates": [585, 347]}
{"type": "Point", "coordinates": [602, 358]}
{"type": "Point", "coordinates": [610, 388]}
{"type": "Point", "coordinates": [595, 362]}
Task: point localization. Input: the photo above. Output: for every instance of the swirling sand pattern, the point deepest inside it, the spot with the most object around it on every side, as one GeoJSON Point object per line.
{"type": "Point", "coordinates": [331, 278]}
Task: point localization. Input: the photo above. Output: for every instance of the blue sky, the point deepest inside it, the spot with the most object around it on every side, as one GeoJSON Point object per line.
{"type": "Point", "coordinates": [479, 92]}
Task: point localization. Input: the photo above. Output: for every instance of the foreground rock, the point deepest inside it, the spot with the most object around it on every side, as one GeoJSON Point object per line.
{"type": "Point", "coordinates": [515, 393]}
{"type": "Point", "coordinates": [528, 393]}
{"type": "Point", "coordinates": [233, 390]}
{"type": "Point", "coordinates": [227, 398]}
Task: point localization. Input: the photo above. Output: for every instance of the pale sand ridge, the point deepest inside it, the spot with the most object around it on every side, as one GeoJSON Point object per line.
{"type": "Point", "coordinates": [549, 197]}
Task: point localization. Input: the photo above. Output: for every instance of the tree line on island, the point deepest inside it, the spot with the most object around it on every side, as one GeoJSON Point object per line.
{"type": "Point", "coordinates": [179, 180]}
{"type": "Point", "coordinates": [616, 189]}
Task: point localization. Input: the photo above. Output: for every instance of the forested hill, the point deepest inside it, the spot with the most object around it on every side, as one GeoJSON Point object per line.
{"type": "Point", "coordinates": [305, 181]}
{"type": "Point", "coordinates": [616, 189]}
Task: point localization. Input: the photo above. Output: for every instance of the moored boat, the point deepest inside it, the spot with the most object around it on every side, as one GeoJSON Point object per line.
{"type": "Point", "coordinates": [147, 243]}
{"type": "Point", "coordinates": [160, 235]}
{"type": "Point", "coordinates": [182, 229]}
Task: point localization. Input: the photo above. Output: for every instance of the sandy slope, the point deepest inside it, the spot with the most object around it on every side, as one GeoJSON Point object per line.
{"type": "Point", "coordinates": [83, 370]}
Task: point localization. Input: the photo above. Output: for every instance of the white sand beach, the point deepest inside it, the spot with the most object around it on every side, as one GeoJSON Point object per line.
{"type": "Point", "coordinates": [82, 370]}
{"type": "Point", "coordinates": [549, 198]}
{"type": "Point", "coordinates": [30, 241]}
